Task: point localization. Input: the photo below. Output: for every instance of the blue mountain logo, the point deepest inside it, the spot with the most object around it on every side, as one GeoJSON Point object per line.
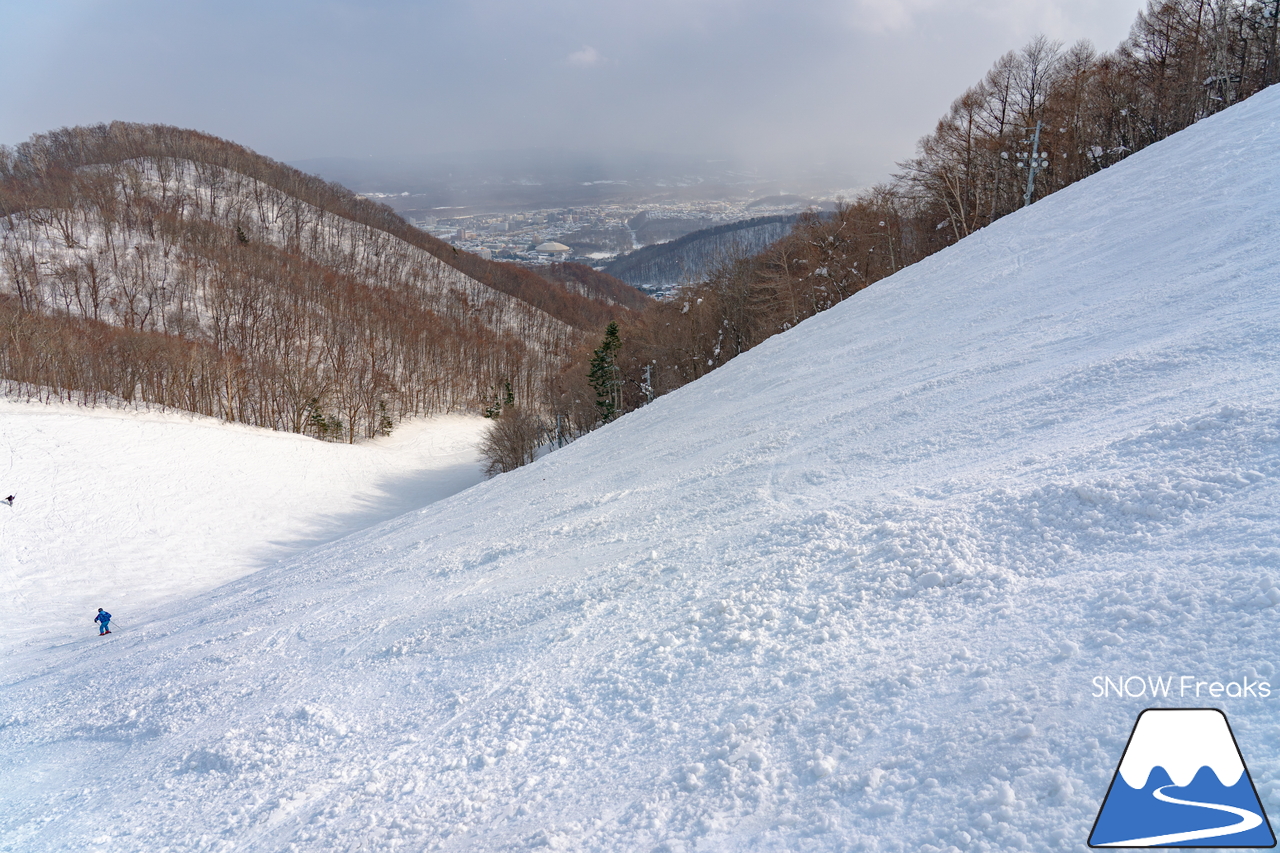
{"type": "Point", "coordinates": [1182, 782]}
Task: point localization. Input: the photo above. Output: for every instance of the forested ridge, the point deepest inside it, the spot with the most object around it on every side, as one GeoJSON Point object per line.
{"type": "Point", "coordinates": [1183, 61]}
{"type": "Point", "coordinates": [148, 262]}
{"type": "Point", "coordinates": [690, 257]}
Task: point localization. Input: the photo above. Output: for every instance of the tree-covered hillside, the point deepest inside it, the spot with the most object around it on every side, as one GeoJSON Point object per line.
{"type": "Point", "coordinates": [140, 261]}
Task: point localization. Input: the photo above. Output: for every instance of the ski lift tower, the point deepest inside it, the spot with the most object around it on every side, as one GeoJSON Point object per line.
{"type": "Point", "coordinates": [1033, 161]}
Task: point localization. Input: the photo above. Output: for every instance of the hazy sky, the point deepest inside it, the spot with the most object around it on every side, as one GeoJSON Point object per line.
{"type": "Point", "coordinates": [850, 82]}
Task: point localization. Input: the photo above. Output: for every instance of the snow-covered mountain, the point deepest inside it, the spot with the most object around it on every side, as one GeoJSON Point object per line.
{"type": "Point", "coordinates": [849, 592]}
{"type": "Point", "coordinates": [1182, 742]}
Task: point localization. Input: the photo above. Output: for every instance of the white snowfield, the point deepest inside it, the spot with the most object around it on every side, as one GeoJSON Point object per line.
{"type": "Point", "coordinates": [124, 509]}
{"type": "Point", "coordinates": [849, 592]}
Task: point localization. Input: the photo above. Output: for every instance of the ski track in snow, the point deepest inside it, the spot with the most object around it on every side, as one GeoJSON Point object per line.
{"type": "Point", "coordinates": [846, 593]}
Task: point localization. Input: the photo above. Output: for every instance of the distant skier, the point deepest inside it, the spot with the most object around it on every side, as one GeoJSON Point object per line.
{"type": "Point", "coordinates": [9, 500]}
{"type": "Point", "coordinates": [105, 618]}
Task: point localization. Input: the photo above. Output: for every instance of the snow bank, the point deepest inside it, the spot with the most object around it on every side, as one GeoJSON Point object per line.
{"type": "Point", "coordinates": [850, 592]}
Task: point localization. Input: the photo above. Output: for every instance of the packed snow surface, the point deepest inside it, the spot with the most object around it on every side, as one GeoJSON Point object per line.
{"type": "Point", "coordinates": [850, 592]}
{"type": "Point", "coordinates": [124, 509]}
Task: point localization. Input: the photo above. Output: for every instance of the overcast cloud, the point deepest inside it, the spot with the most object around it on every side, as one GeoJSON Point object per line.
{"type": "Point", "coordinates": [847, 82]}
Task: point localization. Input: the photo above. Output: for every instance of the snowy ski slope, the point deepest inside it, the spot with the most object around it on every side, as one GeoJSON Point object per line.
{"type": "Point", "coordinates": [849, 592]}
{"type": "Point", "coordinates": [127, 509]}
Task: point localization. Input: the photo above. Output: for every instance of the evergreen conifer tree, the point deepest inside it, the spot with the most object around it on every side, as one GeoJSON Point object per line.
{"type": "Point", "coordinates": [385, 423]}
{"type": "Point", "coordinates": [605, 376]}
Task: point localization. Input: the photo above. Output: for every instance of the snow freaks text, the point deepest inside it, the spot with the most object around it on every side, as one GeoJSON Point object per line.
{"type": "Point", "coordinates": [1178, 687]}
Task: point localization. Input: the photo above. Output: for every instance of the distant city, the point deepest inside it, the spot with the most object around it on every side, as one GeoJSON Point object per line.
{"type": "Point", "coordinates": [592, 234]}
{"type": "Point", "coordinates": [537, 207]}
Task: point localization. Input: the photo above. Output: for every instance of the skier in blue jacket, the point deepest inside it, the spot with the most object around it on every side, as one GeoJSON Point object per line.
{"type": "Point", "coordinates": [105, 618]}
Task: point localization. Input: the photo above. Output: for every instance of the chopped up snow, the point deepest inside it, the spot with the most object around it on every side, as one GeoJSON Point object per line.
{"type": "Point", "coordinates": [849, 592]}
{"type": "Point", "coordinates": [125, 510]}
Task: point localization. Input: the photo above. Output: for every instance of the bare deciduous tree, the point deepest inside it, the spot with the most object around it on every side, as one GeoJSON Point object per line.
{"type": "Point", "coordinates": [512, 440]}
